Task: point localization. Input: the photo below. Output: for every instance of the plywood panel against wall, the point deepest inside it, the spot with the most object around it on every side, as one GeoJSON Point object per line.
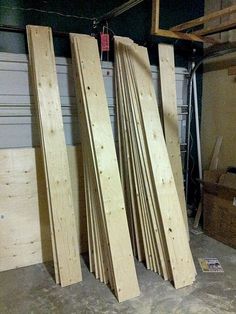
{"type": "Point", "coordinates": [24, 222]}
{"type": "Point", "coordinates": [219, 111]}
{"type": "Point", "coordinates": [24, 229]}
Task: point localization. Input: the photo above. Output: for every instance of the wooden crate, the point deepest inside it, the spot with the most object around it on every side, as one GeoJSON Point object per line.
{"type": "Point", "coordinates": [220, 211]}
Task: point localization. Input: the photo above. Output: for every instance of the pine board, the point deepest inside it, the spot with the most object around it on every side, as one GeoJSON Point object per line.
{"type": "Point", "coordinates": [140, 183]}
{"type": "Point", "coordinates": [181, 261]}
{"type": "Point", "coordinates": [42, 61]}
{"type": "Point", "coordinates": [171, 131]}
{"type": "Point", "coordinates": [104, 162]}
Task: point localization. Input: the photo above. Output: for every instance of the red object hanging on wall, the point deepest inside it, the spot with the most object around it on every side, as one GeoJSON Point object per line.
{"type": "Point", "coordinates": [105, 42]}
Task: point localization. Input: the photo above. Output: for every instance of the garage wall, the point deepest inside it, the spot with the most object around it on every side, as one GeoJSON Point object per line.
{"type": "Point", "coordinates": [18, 126]}
{"type": "Point", "coordinates": [219, 98]}
{"type": "Point", "coordinates": [219, 111]}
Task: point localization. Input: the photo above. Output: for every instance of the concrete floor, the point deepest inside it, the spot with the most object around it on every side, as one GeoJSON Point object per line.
{"type": "Point", "coordinates": [32, 289]}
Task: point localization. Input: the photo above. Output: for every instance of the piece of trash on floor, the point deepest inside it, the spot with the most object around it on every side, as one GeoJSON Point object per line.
{"type": "Point", "coordinates": [210, 265]}
{"type": "Point", "coordinates": [196, 231]}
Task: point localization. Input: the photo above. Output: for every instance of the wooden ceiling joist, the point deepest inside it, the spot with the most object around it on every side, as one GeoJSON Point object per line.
{"type": "Point", "coordinates": [223, 27]}
{"type": "Point", "coordinates": [204, 19]}
{"type": "Point", "coordinates": [183, 36]}
{"type": "Point", "coordinates": [199, 35]}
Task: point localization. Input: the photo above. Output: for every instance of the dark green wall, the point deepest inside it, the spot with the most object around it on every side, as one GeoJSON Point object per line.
{"type": "Point", "coordinates": [134, 23]}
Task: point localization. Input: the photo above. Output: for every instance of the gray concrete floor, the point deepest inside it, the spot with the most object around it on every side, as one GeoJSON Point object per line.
{"type": "Point", "coordinates": [32, 289]}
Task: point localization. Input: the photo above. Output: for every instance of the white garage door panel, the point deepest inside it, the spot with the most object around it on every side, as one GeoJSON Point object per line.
{"type": "Point", "coordinates": [18, 126]}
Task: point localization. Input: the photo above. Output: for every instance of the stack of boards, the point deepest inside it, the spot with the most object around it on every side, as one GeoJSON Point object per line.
{"type": "Point", "coordinates": [153, 206]}
{"type": "Point", "coordinates": [110, 250]}
{"type": "Point", "coordinates": [157, 224]}
{"type": "Point", "coordinates": [56, 167]}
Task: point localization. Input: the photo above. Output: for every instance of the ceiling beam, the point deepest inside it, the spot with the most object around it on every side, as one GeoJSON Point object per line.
{"type": "Point", "coordinates": [203, 19]}
{"type": "Point", "coordinates": [118, 11]}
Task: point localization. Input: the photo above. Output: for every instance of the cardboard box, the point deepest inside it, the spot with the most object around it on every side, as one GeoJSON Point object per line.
{"type": "Point", "coordinates": [219, 202]}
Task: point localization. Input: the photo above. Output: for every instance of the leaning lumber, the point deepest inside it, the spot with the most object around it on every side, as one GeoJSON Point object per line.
{"type": "Point", "coordinates": [213, 166]}
{"type": "Point", "coordinates": [110, 250]}
{"type": "Point", "coordinates": [151, 196]}
{"type": "Point", "coordinates": [171, 129]}
{"type": "Point", "coordinates": [59, 193]}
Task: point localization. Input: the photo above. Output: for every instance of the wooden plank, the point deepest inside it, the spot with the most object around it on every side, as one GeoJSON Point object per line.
{"type": "Point", "coordinates": [77, 182]}
{"type": "Point", "coordinates": [24, 223]}
{"type": "Point", "coordinates": [130, 146]}
{"type": "Point", "coordinates": [93, 192]}
{"type": "Point", "coordinates": [136, 100]}
{"type": "Point", "coordinates": [223, 27]}
{"type": "Point", "coordinates": [184, 36]}
{"type": "Point", "coordinates": [129, 153]}
{"type": "Point", "coordinates": [211, 7]}
{"type": "Point", "coordinates": [100, 205]}
{"type": "Point", "coordinates": [96, 118]}
{"type": "Point", "coordinates": [177, 35]}
{"type": "Point", "coordinates": [215, 157]}
{"type": "Point", "coordinates": [155, 16]}
{"type": "Point", "coordinates": [171, 130]}
{"type": "Point", "coordinates": [24, 209]}
{"type": "Point", "coordinates": [213, 166]}
{"type": "Point", "coordinates": [111, 280]}
{"type": "Point", "coordinates": [228, 36]}
{"type": "Point", "coordinates": [143, 188]}
{"type": "Point", "coordinates": [54, 147]}
{"type": "Point", "coordinates": [203, 19]}
{"type": "Point", "coordinates": [181, 261]}
{"type": "Point", "coordinates": [53, 240]}
{"type": "Point", "coordinates": [156, 30]}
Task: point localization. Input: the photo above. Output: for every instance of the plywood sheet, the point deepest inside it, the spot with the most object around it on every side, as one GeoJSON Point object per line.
{"type": "Point", "coordinates": [24, 222]}
{"type": "Point", "coordinates": [24, 229]}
